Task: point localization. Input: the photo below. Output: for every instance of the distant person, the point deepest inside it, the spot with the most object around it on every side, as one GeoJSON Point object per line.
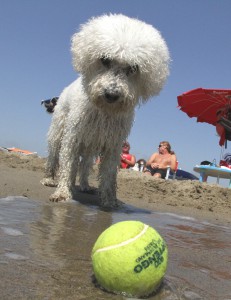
{"type": "Point", "coordinates": [205, 163]}
{"type": "Point", "coordinates": [141, 163]}
{"type": "Point", "coordinates": [159, 162]}
{"type": "Point", "coordinates": [127, 160]}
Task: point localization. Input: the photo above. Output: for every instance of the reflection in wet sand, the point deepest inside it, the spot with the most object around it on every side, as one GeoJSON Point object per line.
{"type": "Point", "coordinates": [45, 251]}
{"type": "Point", "coordinates": [68, 231]}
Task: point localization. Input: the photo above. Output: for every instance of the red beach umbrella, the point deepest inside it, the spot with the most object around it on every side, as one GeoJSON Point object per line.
{"type": "Point", "coordinates": [212, 106]}
{"type": "Point", "coordinates": [205, 104]}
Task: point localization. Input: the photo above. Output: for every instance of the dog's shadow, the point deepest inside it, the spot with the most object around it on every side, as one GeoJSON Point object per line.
{"type": "Point", "coordinates": [92, 198]}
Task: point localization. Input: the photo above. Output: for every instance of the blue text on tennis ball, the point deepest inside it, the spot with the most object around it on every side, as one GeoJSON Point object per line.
{"type": "Point", "coordinates": [131, 258]}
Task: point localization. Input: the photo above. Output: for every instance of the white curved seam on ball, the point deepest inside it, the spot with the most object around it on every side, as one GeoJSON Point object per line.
{"type": "Point", "coordinates": [125, 242]}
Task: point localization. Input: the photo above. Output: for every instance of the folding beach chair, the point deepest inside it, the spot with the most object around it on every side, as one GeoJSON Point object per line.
{"type": "Point", "coordinates": [174, 171]}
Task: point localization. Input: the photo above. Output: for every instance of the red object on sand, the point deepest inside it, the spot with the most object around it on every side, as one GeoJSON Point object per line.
{"type": "Point", "coordinates": [17, 150]}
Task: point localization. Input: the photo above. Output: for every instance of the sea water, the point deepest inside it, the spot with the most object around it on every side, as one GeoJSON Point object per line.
{"type": "Point", "coordinates": [45, 251]}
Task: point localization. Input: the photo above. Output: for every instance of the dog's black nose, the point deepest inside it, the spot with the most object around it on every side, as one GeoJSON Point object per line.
{"type": "Point", "coordinates": [111, 97]}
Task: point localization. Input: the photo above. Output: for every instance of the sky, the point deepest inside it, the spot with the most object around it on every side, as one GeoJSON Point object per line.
{"type": "Point", "coordinates": [35, 64]}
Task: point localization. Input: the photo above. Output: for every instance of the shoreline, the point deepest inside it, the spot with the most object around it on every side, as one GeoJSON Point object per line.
{"type": "Point", "coordinates": [21, 175]}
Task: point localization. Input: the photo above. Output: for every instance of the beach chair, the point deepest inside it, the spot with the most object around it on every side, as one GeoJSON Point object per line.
{"type": "Point", "coordinates": [174, 172]}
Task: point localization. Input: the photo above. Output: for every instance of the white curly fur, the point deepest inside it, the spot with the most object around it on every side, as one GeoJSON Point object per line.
{"type": "Point", "coordinates": [122, 62]}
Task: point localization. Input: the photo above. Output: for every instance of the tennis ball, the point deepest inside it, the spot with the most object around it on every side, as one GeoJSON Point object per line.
{"type": "Point", "coordinates": [130, 258]}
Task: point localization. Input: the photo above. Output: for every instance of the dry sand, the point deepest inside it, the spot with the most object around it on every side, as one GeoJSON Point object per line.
{"type": "Point", "coordinates": [20, 176]}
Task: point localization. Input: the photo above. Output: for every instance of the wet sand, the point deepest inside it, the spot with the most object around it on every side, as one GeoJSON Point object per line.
{"type": "Point", "coordinates": [46, 247]}
{"type": "Point", "coordinates": [21, 175]}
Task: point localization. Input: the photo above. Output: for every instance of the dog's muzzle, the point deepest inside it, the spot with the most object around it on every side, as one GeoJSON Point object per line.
{"type": "Point", "coordinates": [111, 95]}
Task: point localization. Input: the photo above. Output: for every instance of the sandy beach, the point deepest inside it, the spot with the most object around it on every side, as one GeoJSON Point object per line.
{"type": "Point", "coordinates": [20, 176]}
{"type": "Point", "coordinates": [46, 247]}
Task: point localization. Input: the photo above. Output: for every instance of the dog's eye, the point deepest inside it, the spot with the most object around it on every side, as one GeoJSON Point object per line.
{"type": "Point", "coordinates": [106, 62]}
{"type": "Point", "coordinates": [132, 70]}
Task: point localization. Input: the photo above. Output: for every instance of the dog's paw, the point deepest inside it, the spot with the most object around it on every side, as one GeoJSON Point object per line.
{"type": "Point", "coordinates": [61, 195]}
{"type": "Point", "coordinates": [109, 203]}
{"type": "Point", "coordinates": [48, 182]}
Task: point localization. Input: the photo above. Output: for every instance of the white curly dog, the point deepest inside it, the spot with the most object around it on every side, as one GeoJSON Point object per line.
{"type": "Point", "coordinates": [122, 63]}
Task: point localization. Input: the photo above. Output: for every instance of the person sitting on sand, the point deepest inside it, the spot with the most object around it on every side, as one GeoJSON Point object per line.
{"type": "Point", "coordinates": [159, 161]}
{"type": "Point", "coordinates": [141, 164]}
{"type": "Point", "coordinates": [127, 160]}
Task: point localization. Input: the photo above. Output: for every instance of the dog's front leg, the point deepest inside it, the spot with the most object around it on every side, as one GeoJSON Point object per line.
{"type": "Point", "coordinates": [107, 177]}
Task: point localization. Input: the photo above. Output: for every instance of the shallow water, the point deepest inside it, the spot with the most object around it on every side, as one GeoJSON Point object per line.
{"type": "Point", "coordinates": [45, 251]}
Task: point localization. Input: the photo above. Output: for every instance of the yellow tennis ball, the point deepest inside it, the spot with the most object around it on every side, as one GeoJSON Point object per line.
{"type": "Point", "coordinates": [131, 258]}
